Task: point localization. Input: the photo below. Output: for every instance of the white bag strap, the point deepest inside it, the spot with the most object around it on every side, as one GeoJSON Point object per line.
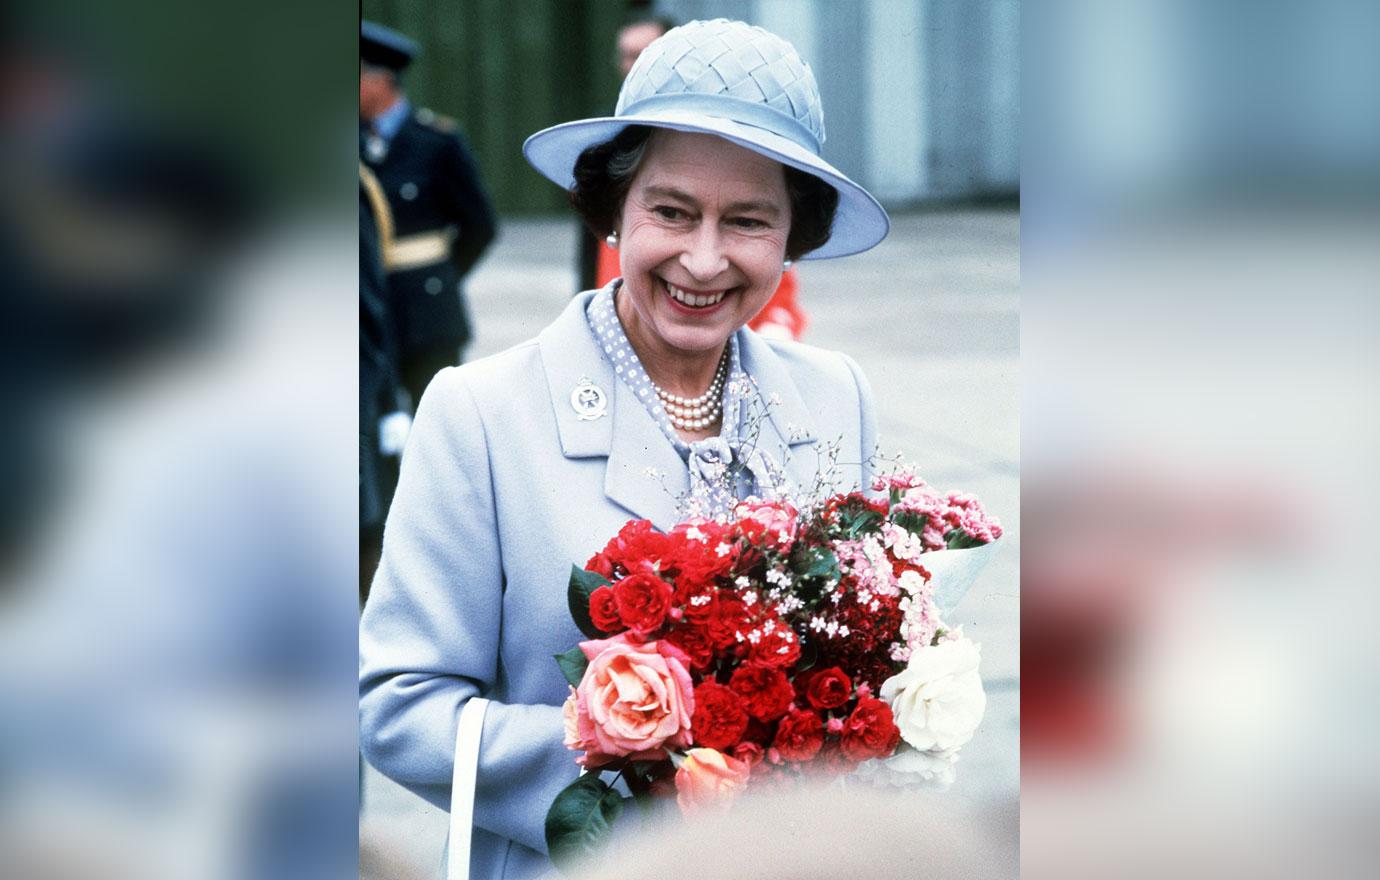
{"type": "Point", "coordinates": [462, 788]}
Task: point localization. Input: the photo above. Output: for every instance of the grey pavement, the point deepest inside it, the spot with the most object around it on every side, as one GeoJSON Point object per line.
{"type": "Point", "coordinates": [932, 317]}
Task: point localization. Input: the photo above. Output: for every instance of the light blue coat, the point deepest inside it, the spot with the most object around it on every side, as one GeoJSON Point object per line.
{"type": "Point", "coordinates": [503, 487]}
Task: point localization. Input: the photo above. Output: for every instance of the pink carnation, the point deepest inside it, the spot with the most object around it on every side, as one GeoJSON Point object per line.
{"type": "Point", "coordinates": [925, 502]}
{"type": "Point", "coordinates": [901, 480]}
{"type": "Point", "coordinates": [966, 514]}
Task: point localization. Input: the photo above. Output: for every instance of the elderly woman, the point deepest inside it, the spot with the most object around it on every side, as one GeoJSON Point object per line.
{"type": "Point", "coordinates": [645, 399]}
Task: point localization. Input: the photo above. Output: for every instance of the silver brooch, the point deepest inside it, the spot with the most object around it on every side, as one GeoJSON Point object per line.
{"type": "Point", "coordinates": [588, 400]}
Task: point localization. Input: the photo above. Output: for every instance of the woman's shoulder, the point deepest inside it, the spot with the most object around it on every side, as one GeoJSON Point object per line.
{"type": "Point", "coordinates": [820, 371]}
{"type": "Point", "coordinates": [486, 381]}
{"type": "Point", "coordinates": [520, 373]}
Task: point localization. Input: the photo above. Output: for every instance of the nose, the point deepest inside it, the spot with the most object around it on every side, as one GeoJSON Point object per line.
{"type": "Point", "coordinates": [704, 257]}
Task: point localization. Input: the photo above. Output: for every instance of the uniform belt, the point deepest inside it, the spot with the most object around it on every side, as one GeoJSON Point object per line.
{"type": "Point", "coordinates": [415, 251]}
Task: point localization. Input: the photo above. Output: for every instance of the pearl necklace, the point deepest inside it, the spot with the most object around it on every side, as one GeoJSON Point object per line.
{"type": "Point", "coordinates": [695, 413]}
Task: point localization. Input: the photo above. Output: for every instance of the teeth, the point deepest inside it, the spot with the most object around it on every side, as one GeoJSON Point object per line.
{"type": "Point", "coordinates": [694, 300]}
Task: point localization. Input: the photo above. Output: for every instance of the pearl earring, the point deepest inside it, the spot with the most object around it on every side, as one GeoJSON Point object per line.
{"type": "Point", "coordinates": [786, 264]}
{"type": "Point", "coordinates": [612, 239]}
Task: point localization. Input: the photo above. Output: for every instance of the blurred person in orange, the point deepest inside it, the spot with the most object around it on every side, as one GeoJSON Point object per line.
{"type": "Point", "coordinates": [442, 219]}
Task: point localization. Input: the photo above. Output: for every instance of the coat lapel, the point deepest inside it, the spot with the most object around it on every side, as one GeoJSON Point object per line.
{"type": "Point", "coordinates": [625, 434]}
{"type": "Point", "coordinates": [644, 475]}
{"type": "Point", "coordinates": [570, 355]}
{"type": "Point", "coordinates": [788, 431]}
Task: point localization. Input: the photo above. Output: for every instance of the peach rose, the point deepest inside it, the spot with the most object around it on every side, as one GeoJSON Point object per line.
{"type": "Point", "coordinates": [634, 697]}
{"type": "Point", "coordinates": [579, 735]}
{"type": "Point", "coordinates": [709, 780]}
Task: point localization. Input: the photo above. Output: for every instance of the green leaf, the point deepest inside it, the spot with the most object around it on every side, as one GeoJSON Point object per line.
{"type": "Point", "coordinates": [573, 664]}
{"type": "Point", "coordinates": [580, 820]}
{"type": "Point", "coordinates": [816, 569]}
{"type": "Point", "coordinates": [817, 562]}
{"type": "Point", "coordinates": [856, 522]}
{"type": "Point", "coordinates": [911, 521]}
{"type": "Point", "coordinates": [824, 565]}
{"type": "Point", "coordinates": [582, 586]}
{"type": "Point", "coordinates": [957, 539]}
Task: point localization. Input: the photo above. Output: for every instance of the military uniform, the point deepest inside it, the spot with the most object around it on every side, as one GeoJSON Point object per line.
{"type": "Point", "coordinates": [380, 375]}
{"type": "Point", "coordinates": [442, 223]}
{"type": "Point", "coordinates": [380, 379]}
{"type": "Point", "coordinates": [442, 219]}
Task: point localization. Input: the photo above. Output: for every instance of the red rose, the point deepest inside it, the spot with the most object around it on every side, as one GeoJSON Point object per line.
{"type": "Point", "coordinates": [765, 690]}
{"type": "Point", "coordinates": [799, 736]}
{"type": "Point", "coordinates": [600, 564]}
{"type": "Point", "coordinates": [719, 719]}
{"type": "Point", "coordinates": [694, 641]}
{"type": "Point", "coordinates": [778, 646]}
{"type": "Point", "coordinates": [696, 601]}
{"type": "Point", "coordinates": [603, 610]}
{"type": "Point", "coordinates": [643, 601]}
{"type": "Point", "coordinates": [828, 688]}
{"type": "Point", "coordinates": [870, 732]}
{"type": "Point", "coordinates": [638, 547]}
{"type": "Point", "coordinates": [728, 617]}
{"type": "Point", "coordinates": [696, 560]}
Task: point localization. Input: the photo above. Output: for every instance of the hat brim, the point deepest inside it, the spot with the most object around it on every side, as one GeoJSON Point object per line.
{"type": "Point", "coordinates": [859, 223]}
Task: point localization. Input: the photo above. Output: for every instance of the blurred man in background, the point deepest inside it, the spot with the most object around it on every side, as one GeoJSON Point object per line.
{"type": "Point", "coordinates": [442, 218]}
{"type": "Point", "coordinates": [383, 417]}
{"type": "Point", "coordinates": [637, 35]}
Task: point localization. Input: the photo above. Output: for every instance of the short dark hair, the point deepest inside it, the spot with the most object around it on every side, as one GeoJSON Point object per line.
{"type": "Point", "coordinates": [604, 174]}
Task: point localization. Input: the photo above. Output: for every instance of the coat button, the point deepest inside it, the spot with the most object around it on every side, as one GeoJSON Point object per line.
{"type": "Point", "coordinates": [433, 285]}
{"type": "Point", "coordinates": [408, 191]}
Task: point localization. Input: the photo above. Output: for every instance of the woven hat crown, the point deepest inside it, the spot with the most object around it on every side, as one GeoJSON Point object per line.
{"type": "Point", "coordinates": [728, 59]}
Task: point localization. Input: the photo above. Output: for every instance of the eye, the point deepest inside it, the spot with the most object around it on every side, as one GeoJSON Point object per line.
{"type": "Point", "coordinates": [666, 212]}
{"type": "Point", "coordinates": [748, 223]}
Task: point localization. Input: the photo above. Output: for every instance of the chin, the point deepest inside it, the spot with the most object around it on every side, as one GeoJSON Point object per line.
{"type": "Point", "coordinates": [696, 341]}
{"type": "Point", "coordinates": [694, 338]}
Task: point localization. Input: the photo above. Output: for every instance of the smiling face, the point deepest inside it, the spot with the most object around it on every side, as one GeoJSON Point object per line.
{"type": "Point", "coordinates": [702, 238]}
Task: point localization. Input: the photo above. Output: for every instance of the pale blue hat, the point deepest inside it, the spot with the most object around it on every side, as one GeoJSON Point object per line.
{"type": "Point", "coordinates": [739, 82]}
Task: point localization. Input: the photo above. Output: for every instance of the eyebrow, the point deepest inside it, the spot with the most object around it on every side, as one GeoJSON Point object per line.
{"type": "Point", "coordinates": [671, 192]}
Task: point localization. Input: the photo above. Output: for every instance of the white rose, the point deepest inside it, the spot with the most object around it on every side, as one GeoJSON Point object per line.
{"type": "Point", "coordinates": [937, 700]}
{"type": "Point", "coordinates": [911, 769]}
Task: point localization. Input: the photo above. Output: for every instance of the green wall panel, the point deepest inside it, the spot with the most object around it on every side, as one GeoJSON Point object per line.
{"type": "Point", "coordinates": [506, 68]}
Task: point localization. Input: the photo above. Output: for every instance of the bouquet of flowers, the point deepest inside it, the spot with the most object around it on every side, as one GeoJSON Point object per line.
{"type": "Point", "coordinates": [773, 645]}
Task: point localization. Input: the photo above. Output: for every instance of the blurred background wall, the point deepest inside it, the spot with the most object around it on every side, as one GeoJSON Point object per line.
{"type": "Point", "coordinates": [923, 95]}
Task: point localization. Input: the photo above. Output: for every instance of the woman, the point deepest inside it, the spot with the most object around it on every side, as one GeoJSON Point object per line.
{"type": "Point", "coordinates": [708, 179]}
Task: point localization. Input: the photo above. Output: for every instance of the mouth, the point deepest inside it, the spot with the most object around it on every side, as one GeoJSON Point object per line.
{"type": "Point", "coordinates": [695, 301]}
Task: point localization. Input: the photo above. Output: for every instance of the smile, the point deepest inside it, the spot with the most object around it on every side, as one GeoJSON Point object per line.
{"type": "Point", "coordinates": [693, 299]}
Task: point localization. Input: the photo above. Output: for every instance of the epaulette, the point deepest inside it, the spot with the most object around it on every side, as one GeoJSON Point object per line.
{"type": "Point", "coordinates": [432, 119]}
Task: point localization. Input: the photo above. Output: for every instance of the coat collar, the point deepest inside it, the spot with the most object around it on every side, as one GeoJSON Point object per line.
{"type": "Point", "coordinates": [627, 435]}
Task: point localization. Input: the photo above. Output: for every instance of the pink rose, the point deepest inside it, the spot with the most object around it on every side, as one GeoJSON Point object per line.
{"type": "Point", "coordinates": [709, 780]}
{"type": "Point", "coordinates": [776, 520]}
{"type": "Point", "coordinates": [634, 697]}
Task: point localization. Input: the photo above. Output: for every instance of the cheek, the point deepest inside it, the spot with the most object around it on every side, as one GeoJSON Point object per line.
{"type": "Point", "coordinates": [767, 256]}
